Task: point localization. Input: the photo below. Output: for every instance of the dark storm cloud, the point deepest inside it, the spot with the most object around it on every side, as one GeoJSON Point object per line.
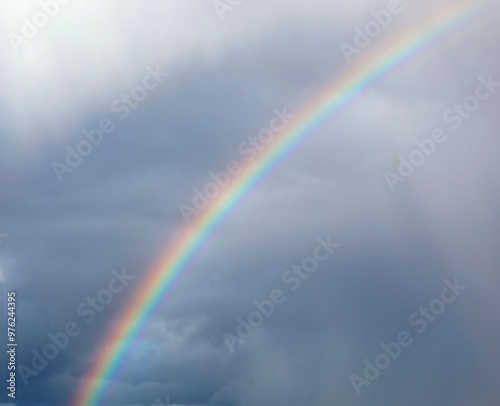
{"type": "Point", "coordinates": [119, 208]}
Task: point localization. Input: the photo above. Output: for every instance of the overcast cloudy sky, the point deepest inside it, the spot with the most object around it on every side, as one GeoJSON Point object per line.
{"type": "Point", "coordinates": [391, 245]}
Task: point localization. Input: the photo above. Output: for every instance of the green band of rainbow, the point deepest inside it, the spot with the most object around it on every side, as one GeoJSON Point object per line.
{"type": "Point", "coordinates": [342, 92]}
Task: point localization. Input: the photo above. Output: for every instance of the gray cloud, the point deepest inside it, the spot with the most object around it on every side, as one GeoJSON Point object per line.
{"type": "Point", "coordinates": [120, 207]}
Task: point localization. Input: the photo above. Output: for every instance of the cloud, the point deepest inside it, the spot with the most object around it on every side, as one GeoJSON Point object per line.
{"type": "Point", "coordinates": [120, 206]}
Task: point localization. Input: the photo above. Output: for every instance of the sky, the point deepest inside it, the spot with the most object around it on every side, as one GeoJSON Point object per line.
{"type": "Point", "coordinates": [406, 255]}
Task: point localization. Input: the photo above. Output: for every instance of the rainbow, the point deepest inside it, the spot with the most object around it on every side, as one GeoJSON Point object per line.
{"type": "Point", "coordinates": [369, 69]}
